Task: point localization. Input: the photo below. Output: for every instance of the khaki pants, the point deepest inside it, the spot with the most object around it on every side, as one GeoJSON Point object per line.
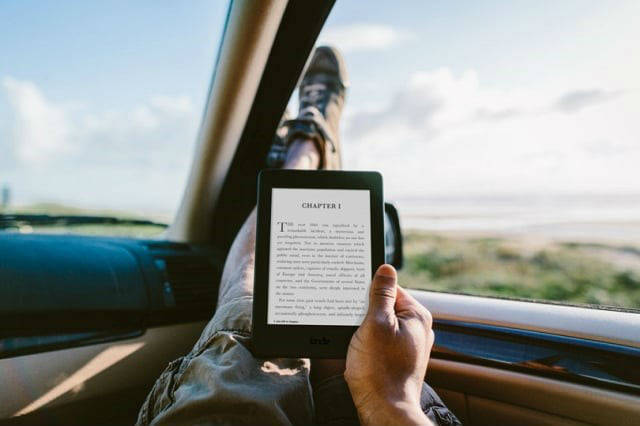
{"type": "Point", "coordinates": [220, 382]}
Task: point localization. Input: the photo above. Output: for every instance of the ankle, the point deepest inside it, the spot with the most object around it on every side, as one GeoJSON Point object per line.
{"type": "Point", "coordinates": [302, 154]}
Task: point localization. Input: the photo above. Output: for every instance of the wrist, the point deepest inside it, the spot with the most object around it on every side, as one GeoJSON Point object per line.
{"type": "Point", "coordinates": [392, 412]}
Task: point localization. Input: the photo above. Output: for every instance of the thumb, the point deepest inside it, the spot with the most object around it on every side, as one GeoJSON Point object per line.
{"type": "Point", "coordinates": [382, 295]}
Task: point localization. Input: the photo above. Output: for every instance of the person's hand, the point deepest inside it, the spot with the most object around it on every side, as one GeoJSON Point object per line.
{"type": "Point", "coordinates": [388, 355]}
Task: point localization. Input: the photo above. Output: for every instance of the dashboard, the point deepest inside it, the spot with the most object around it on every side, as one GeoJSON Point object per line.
{"type": "Point", "coordinates": [61, 291]}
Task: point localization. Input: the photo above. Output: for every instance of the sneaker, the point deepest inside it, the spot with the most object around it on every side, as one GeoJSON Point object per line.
{"type": "Point", "coordinates": [277, 154]}
{"type": "Point", "coordinates": [322, 95]}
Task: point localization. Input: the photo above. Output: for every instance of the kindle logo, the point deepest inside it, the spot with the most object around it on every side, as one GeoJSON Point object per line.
{"type": "Point", "coordinates": [319, 341]}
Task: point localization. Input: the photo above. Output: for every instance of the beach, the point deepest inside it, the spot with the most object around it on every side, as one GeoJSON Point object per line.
{"type": "Point", "coordinates": [579, 249]}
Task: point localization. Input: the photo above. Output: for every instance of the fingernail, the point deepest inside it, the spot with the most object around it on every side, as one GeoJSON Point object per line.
{"type": "Point", "coordinates": [386, 271]}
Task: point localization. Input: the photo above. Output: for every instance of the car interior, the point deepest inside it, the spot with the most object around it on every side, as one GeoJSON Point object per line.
{"type": "Point", "coordinates": [143, 302]}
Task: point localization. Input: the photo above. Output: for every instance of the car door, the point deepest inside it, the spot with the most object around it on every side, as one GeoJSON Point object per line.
{"type": "Point", "coordinates": [547, 332]}
{"type": "Point", "coordinates": [511, 362]}
{"type": "Point", "coordinates": [519, 211]}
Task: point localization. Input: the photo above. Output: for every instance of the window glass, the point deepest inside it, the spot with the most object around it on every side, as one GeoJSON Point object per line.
{"type": "Point", "coordinates": [100, 104]}
{"type": "Point", "coordinates": [508, 137]}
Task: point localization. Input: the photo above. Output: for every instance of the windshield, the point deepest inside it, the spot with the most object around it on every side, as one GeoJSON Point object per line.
{"type": "Point", "coordinates": [100, 104]}
{"type": "Point", "coordinates": [508, 137]}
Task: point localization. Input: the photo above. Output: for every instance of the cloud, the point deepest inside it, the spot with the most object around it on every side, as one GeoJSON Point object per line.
{"type": "Point", "coordinates": [363, 37]}
{"type": "Point", "coordinates": [576, 100]}
{"type": "Point", "coordinates": [447, 133]}
{"type": "Point", "coordinates": [172, 105]}
{"type": "Point", "coordinates": [40, 128]}
{"type": "Point", "coordinates": [138, 154]}
{"type": "Point", "coordinates": [486, 113]}
{"type": "Point", "coordinates": [44, 130]}
{"type": "Point", "coordinates": [431, 101]}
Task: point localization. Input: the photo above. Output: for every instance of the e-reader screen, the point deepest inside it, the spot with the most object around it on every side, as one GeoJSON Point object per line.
{"type": "Point", "coordinates": [320, 256]}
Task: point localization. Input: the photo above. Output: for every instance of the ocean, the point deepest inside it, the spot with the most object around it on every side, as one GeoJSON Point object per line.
{"type": "Point", "coordinates": [584, 217]}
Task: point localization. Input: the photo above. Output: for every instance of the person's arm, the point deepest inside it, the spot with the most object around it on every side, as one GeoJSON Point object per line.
{"type": "Point", "coordinates": [388, 355]}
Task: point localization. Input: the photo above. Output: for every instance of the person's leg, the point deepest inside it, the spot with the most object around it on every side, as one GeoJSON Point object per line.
{"type": "Point", "coordinates": [237, 275]}
{"type": "Point", "coordinates": [220, 381]}
{"type": "Point", "coordinates": [237, 278]}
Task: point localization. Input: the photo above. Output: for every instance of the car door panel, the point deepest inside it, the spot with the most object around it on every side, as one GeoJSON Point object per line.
{"type": "Point", "coordinates": [591, 323]}
{"type": "Point", "coordinates": [501, 361]}
{"type": "Point", "coordinates": [526, 394]}
{"type": "Point", "coordinates": [489, 412]}
{"type": "Point", "coordinates": [70, 376]}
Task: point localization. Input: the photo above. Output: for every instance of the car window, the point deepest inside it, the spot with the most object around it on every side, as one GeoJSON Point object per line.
{"type": "Point", "coordinates": [507, 135]}
{"type": "Point", "coordinates": [100, 104]}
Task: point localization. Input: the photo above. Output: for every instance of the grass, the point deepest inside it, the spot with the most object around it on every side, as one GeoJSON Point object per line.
{"type": "Point", "coordinates": [113, 230]}
{"type": "Point", "coordinates": [130, 231]}
{"type": "Point", "coordinates": [569, 272]}
{"type": "Point", "coordinates": [574, 272]}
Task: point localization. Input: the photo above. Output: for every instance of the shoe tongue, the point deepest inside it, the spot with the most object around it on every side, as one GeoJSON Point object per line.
{"type": "Point", "coordinates": [323, 64]}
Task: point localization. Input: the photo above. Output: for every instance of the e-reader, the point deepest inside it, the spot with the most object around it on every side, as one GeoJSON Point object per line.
{"type": "Point", "coordinates": [319, 240]}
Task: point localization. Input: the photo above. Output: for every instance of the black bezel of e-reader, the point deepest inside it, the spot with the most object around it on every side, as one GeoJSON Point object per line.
{"type": "Point", "coordinates": [308, 341]}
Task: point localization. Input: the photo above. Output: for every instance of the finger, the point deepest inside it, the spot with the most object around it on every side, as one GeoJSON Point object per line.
{"type": "Point", "coordinates": [406, 303]}
{"type": "Point", "coordinates": [382, 295]}
{"type": "Point", "coordinates": [431, 339]}
{"type": "Point", "coordinates": [404, 300]}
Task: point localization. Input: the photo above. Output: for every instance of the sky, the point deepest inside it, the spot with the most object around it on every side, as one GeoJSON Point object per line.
{"type": "Point", "coordinates": [492, 97]}
{"type": "Point", "coordinates": [100, 103]}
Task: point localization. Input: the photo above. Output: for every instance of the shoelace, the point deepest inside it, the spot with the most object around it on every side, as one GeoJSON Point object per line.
{"type": "Point", "coordinates": [314, 94]}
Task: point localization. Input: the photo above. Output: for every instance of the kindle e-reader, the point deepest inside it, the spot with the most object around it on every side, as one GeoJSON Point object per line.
{"type": "Point", "coordinates": [320, 238]}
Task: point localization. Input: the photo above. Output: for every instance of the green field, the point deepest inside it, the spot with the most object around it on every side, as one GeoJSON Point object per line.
{"type": "Point", "coordinates": [580, 273]}
{"type": "Point", "coordinates": [115, 230]}
{"type": "Point", "coordinates": [525, 268]}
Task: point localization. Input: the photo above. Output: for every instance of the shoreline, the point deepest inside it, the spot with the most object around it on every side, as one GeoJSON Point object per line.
{"type": "Point", "coordinates": [609, 233]}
